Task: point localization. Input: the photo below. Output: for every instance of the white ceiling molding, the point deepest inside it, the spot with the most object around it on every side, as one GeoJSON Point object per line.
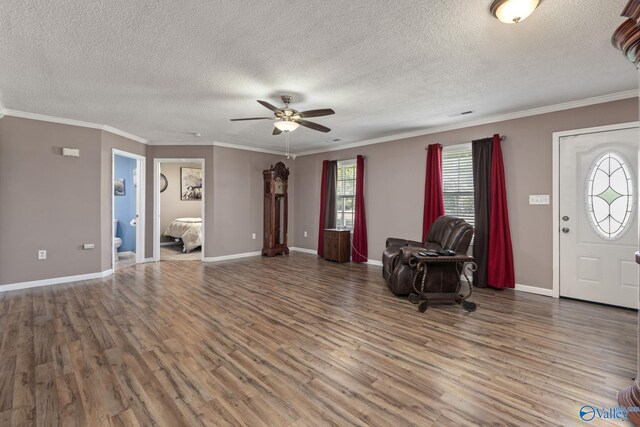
{"type": "Point", "coordinates": [492, 119]}
{"type": "Point", "coordinates": [219, 144]}
{"type": "Point", "coordinates": [124, 134]}
{"type": "Point", "coordinates": [244, 147]}
{"type": "Point", "coordinates": [72, 122]}
{"type": "Point", "coordinates": [115, 131]}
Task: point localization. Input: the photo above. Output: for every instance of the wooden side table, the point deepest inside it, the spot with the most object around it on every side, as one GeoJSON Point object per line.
{"type": "Point", "coordinates": [422, 264]}
{"type": "Point", "coordinates": [337, 245]}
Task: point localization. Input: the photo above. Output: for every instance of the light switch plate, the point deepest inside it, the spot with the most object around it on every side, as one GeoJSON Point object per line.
{"type": "Point", "coordinates": [305, 234]}
{"type": "Point", "coordinates": [253, 236]}
{"type": "Point", "coordinates": [538, 199]}
{"type": "Point", "coordinates": [42, 254]}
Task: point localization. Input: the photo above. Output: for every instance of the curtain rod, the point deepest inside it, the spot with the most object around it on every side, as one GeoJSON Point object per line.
{"type": "Point", "coordinates": [502, 138]}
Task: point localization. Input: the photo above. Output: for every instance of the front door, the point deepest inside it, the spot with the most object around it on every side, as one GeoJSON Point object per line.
{"type": "Point", "coordinates": [598, 217]}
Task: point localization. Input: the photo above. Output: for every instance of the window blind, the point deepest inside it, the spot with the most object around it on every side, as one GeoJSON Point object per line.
{"type": "Point", "coordinates": [457, 181]}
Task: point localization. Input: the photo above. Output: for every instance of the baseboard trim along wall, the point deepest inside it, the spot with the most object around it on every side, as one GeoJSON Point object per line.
{"type": "Point", "coordinates": [54, 281]}
{"type": "Point", "coordinates": [233, 256]}
{"type": "Point", "coordinates": [534, 290]}
{"type": "Point", "coordinates": [304, 250]}
{"type": "Point", "coordinates": [314, 252]}
{"type": "Point", "coordinates": [528, 289]}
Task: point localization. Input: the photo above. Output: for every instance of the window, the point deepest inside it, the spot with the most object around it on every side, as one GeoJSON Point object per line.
{"type": "Point", "coordinates": [457, 181]}
{"type": "Point", "coordinates": [610, 197]}
{"type": "Point", "coordinates": [346, 193]}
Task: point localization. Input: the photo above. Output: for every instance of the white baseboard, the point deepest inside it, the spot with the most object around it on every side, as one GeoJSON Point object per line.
{"type": "Point", "coordinates": [534, 290]}
{"type": "Point", "coordinates": [233, 256]}
{"type": "Point", "coordinates": [525, 288]}
{"type": "Point", "coordinates": [304, 250]}
{"type": "Point", "coordinates": [148, 260]}
{"type": "Point", "coordinates": [54, 281]}
{"type": "Point", "coordinates": [128, 253]}
{"type": "Point", "coordinates": [374, 262]}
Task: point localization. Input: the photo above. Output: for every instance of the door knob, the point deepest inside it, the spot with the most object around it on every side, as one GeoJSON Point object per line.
{"type": "Point", "coordinates": [565, 218]}
{"type": "Point", "coordinates": [565, 229]}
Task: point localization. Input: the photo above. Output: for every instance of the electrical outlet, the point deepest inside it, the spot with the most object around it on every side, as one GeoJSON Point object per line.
{"type": "Point", "coordinates": [305, 234]}
{"type": "Point", "coordinates": [88, 246]}
{"type": "Point", "coordinates": [253, 236]}
{"type": "Point", "coordinates": [42, 254]}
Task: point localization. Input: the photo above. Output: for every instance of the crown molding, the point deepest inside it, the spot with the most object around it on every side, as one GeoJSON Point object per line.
{"type": "Point", "coordinates": [200, 142]}
{"type": "Point", "coordinates": [248, 148]}
{"type": "Point", "coordinates": [633, 93]}
{"type": "Point", "coordinates": [72, 122]}
{"type": "Point", "coordinates": [124, 134]}
{"type": "Point", "coordinates": [218, 144]}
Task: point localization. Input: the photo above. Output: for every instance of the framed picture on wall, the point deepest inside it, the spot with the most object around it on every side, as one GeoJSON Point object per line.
{"type": "Point", "coordinates": [190, 184]}
{"type": "Point", "coordinates": [118, 187]}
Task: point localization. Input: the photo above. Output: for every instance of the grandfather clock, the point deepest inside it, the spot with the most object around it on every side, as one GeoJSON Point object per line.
{"type": "Point", "coordinates": [275, 210]}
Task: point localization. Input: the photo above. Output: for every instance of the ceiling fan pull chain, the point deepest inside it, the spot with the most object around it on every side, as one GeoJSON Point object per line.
{"type": "Point", "coordinates": [286, 136]}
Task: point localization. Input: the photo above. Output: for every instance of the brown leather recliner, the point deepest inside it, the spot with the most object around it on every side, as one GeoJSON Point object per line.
{"type": "Point", "coordinates": [447, 232]}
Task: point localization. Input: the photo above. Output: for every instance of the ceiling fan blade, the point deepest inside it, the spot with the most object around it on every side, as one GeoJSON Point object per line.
{"type": "Point", "coordinates": [314, 126]}
{"type": "Point", "coordinates": [252, 118]}
{"type": "Point", "coordinates": [276, 131]}
{"type": "Point", "coordinates": [317, 113]}
{"type": "Point", "coordinates": [270, 107]}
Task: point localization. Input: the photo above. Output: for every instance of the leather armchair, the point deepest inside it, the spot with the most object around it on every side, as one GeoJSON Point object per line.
{"type": "Point", "coordinates": [447, 232]}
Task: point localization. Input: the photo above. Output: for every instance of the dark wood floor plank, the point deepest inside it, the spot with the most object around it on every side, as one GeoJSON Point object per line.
{"type": "Point", "coordinates": [298, 341]}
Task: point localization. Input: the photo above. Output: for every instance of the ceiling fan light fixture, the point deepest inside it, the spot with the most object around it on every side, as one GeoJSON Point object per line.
{"type": "Point", "coordinates": [513, 11]}
{"type": "Point", "coordinates": [286, 125]}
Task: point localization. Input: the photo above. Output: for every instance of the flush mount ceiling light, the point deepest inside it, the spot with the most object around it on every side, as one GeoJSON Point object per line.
{"type": "Point", "coordinates": [513, 11]}
{"type": "Point", "coordinates": [286, 125]}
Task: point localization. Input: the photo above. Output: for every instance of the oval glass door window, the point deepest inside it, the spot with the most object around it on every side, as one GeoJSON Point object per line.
{"type": "Point", "coordinates": [610, 195]}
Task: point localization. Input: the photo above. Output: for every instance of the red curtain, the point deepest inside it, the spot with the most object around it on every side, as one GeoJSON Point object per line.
{"type": "Point", "coordinates": [323, 207]}
{"type": "Point", "coordinates": [433, 200]}
{"type": "Point", "coordinates": [500, 272]}
{"type": "Point", "coordinates": [359, 251]}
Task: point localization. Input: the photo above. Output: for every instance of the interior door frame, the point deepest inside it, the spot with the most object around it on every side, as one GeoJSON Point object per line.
{"type": "Point", "coordinates": [156, 201]}
{"type": "Point", "coordinates": [141, 167]}
{"type": "Point", "coordinates": [557, 137]}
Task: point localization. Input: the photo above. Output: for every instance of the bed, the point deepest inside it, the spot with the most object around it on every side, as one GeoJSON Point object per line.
{"type": "Point", "coordinates": [187, 229]}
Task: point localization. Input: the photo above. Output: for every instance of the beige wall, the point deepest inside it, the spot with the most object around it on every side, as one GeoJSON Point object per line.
{"type": "Point", "coordinates": [239, 199]}
{"type": "Point", "coordinates": [394, 183]}
{"type": "Point", "coordinates": [181, 152]}
{"type": "Point", "coordinates": [171, 204]}
{"type": "Point", "coordinates": [48, 201]}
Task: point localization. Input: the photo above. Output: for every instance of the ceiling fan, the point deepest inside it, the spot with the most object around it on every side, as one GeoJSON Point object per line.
{"type": "Point", "coordinates": [287, 119]}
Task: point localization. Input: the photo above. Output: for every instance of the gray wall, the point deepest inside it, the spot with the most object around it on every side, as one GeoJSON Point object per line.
{"type": "Point", "coordinates": [171, 204]}
{"type": "Point", "coordinates": [48, 201]}
{"type": "Point", "coordinates": [394, 183]}
{"type": "Point", "coordinates": [239, 198]}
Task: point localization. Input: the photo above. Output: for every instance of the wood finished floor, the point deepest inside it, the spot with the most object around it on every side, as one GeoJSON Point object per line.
{"type": "Point", "coordinates": [297, 341]}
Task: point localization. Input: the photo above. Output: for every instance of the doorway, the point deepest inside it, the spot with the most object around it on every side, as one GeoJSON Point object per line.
{"type": "Point", "coordinates": [597, 214]}
{"type": "Point", "coordinates": [179, 215]}
{"type": "Point", "coordinates": [127, 207]}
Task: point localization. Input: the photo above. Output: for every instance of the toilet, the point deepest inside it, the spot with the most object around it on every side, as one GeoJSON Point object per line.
{"type": "Point", "coordinates": [117, 242]}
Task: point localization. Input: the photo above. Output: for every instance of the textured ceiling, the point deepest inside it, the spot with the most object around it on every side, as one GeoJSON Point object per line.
{"type": "Point", "coordinates": [161, 69]}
